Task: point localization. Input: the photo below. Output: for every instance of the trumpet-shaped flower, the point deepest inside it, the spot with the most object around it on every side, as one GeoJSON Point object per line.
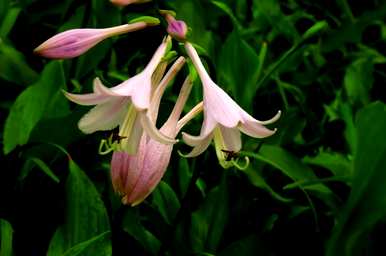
{"type": "Point", "coordinates": [135, 176]}
{"type": "Point", "coordinates": [74, 42]}
{"type": "Point", "coordinates": [125, 105]}
{"type": "Point", "coordinates": [223, 118]}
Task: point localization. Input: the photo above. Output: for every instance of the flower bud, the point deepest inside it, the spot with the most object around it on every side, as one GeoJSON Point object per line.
{"type": "Point", "coordinates": [176, 28]}
{"type": "Point", "coordinates": [74, 42]}
{"type": "Point", "coordinates": [127, 2]}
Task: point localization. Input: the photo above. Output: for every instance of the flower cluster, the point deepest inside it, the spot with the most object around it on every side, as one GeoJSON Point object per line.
{"type": "Point", "coordinates": [142, 152]}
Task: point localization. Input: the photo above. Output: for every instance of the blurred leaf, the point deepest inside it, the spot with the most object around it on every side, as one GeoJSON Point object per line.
{"type": "Point", "coordinates": [6, 233]}
{"type": "Point", "coordinates": [166, 201]}
{"type": "Point", "coordinates": [358, 81]}
{"type": "Point", "coordinates": [238, 66]}
{"type": "Point", "coordinates": [315, 29]}
{"type": "Point", "coordinates": [258, 181]}
{"type": "Point", "coordinates": [270, 10]}
{"type": "Point", "coordinates": [367, 203]}
{"type": "Point", "coordinates": [85, 217]}
{"type": "Point", "coordinates": [229, 12]}
{"type": "Point", "coordinates": [208, 222]}
{"type": "Point", "coordinates": [294, 168]}
{"type": "Point", "coordinates": [31, 105]}
{"type": "Point", "coordinates": [338, 164]}
{"type": "Point", "coordinates": [8, 21]}
{"type": "Point", "coordinates": [351, 32]}
{"type": "Point", "coordinates": [247, 246]}
{"type": "Point", "coordinates": [14, 67]}
{"type": "Point", "coordinates": [184, 175]}
{"type": "Point", "coordinates": [132, 225]}
{"type": "Point", "coordinates": [57, 244]}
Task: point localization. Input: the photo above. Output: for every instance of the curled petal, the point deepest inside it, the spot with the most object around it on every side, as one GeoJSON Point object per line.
{"type": "Point", "coordinates": [104, 116]}
{"type": "Point", "coordinates": [256, 130]}
{"type": "Point", "coordinates": [152, 130]}
{"type": "Point", "coordinates": [200, 145]}
{"type": "Point", "coordinates": [99, 88]}
{"type": "Point", "coordinates": [88, 99]}
{"type": "Point", "coordinates": [248, 117]}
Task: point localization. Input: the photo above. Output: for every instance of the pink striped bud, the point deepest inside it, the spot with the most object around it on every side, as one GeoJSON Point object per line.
{"type": "Point", "coordinates": [74, 42]}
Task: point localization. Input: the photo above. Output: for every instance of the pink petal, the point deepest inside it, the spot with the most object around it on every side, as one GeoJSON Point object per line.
{"type": "Point", "coordinates": [219, 105]}
{"type": "Point", "coordinates": [206, 129]}
{"type": "Point", "coordinates": [88, 99]}
{"type": "Point", "coordinates": [152, 130]}
{"type": "Point", "coordinates": [104, 116]}
{"type": "Point", "coordinates": [200, 145]}
{"type": "Point", "coordinates": [256, 130]}
{"type": "Point", "coordinates": [156, 160]}
{"type": "Point", "coordinates": [247, 117]}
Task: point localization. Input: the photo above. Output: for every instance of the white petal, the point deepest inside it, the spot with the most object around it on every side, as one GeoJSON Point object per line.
{"type": "Point", "coordinates": [256, 130]}
{"type": "Point", "coordinates": [104, 116]}
{"type": "Point", "coordinates": [199, 148]}
{"type": "Point", "coordinates": [88, 99]}
{"type": "Point", "coordinates": [248, 117]}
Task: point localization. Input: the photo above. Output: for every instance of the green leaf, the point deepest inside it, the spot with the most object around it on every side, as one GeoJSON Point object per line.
{"type": "Point", "coordinates": [86, 217]}
{"type": "Point", "coordinates": [270, 10]}
{"type": "Point", "coordinates": [30, 106]}
{"type": "Point", "coordinates": [6, 233]}
{"type": "Point", "coordinates": [238, 67]}
{"type": "Point", "coordinates": [208, 222]}
{"type": "Point", "coordinates": [45, 168]}
{"type": "Point", "coordinates": [184, 175]}
{"type": "Point", "coordinates": [8, 21]}
{"type": "Point", "coordinates": [294, 168]}
{"type": "Point", "coordinates": [315, 29]}
{"type": "Point", "coordinates": [82, 247]}
{"type": "Point", "coordinates": [14, 67]}
{"type": "Point", "coordinates": [58, 243]}
{"type": "Point", "coordinates": [132, 225]}
{"type": "Point", "coordinates": [229, 12]}
{"type": "Point", "coordinates": [258, 181]}
{"type": "Point", "coordinates": [246, 246]}
{"type": "Point", "coordinates": [366, 204]}
{"type": "Point", "coordinates": [166, 201]}
{"type": "Point", "coordinates": [358, 81]}
{"type": "Point", "coordinates": [337, 163]}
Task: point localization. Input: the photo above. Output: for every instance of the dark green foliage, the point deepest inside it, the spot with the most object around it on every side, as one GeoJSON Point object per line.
{"type": "Point", "coordinates": [317, 187]}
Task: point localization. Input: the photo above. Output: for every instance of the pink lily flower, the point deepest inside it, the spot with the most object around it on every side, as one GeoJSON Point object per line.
{"type": "Point", "coordinates": [127, 2]}
{"type": "Point", "coordinates": [125, 105]}
{"type": "Point", "coordinates": [223, 118]}
{"type": "Point", "coordinates": [134, 177]}
{"type": "Point", "coordinates": [74, 42]}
